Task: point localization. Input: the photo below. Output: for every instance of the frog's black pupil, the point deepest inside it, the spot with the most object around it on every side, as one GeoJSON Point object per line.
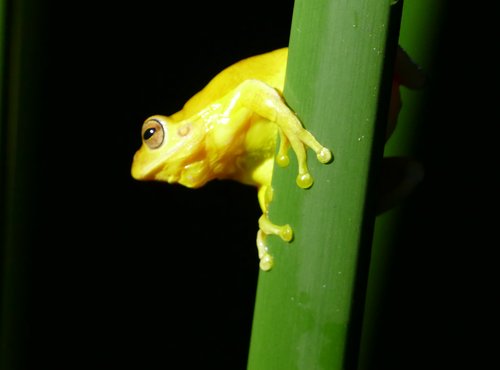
{"type": "Point", "coordinates": [149, 132]}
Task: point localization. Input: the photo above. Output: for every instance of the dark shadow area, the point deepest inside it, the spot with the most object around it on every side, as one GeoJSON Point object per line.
{"type": "Point", "coordinates": [439, 305]}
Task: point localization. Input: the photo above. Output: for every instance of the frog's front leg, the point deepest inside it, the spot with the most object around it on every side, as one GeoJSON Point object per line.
{"type": "Point", "coordinates": [268, 103]}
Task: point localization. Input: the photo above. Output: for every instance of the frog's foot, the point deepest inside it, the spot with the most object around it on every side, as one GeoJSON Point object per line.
{"type": "Point", "coordinates": [268, 103]}
{"type": "Point", "coordinates": [266, 227]}
{"type": "Point", "coordinates": [294, 135]}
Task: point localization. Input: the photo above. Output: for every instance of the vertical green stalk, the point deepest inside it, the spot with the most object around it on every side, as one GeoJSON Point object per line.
{"type": "Point", "coordinates": [307, 313]}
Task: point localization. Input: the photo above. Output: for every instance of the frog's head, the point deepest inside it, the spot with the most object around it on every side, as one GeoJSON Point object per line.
{"type": "Point", "coordinates": [167, 147]}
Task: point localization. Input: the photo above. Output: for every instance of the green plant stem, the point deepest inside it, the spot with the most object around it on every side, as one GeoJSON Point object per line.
{"type": "Point", "coordinates": [307, 313]}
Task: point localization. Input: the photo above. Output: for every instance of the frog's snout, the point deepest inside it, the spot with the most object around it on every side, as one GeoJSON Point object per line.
{"type": "Point", "coordinates": [139, 170]}
{"type": "Point", "coordinates": [135, 170]}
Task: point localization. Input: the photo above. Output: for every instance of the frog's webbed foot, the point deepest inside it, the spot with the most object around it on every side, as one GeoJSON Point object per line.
{"type": "Point", "coordinates": [266, 227]}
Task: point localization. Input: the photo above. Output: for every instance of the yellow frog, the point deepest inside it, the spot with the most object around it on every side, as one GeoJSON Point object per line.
{"type": "Point", "coordinates": [229, 130]}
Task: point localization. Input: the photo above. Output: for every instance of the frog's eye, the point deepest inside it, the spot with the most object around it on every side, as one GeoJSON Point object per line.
{"type": "Point", "coordinates": [153, 133]}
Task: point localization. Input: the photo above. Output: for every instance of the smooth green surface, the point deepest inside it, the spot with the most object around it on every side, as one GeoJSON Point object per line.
{"type": "Point", "coordinates": [307, 308]}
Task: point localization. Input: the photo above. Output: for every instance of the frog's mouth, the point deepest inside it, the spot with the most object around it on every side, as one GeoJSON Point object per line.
{"type": "Point", "coordinates": [167, 163]}
{"type": "Point", "coordinates": [149, 167]}
{"type": "Point", "coordinates": [140, 169]}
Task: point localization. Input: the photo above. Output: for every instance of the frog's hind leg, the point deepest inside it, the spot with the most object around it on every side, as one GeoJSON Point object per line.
{"type": "Point", "coordinates": [266, 227]}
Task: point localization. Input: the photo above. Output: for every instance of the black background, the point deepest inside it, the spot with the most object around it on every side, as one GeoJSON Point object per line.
{"type": "Point", "coordinates": [145, 275]}
{"type": "Point", "coordinates": [128, 273]}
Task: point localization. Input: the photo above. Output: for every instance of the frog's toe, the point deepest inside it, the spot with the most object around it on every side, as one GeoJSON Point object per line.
{"type": "Point", "coordinates": [282, 159]}
{"type": "Point", "coordinates": [304, 180]}
{"type": "Point", "coordinates": [286, 233]}
{"type": "Point", "coordinates": [324, 155]}
{"type": "Point", "coordinates": [266, 262]}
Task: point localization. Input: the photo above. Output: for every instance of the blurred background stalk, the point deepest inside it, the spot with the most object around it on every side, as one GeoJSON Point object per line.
{"type": "Point", "coordinates": [308, 308]}
{"type": "Point", "coordinates": [419, 34]}
{"type": "Point", "coordinates": [22, 96]}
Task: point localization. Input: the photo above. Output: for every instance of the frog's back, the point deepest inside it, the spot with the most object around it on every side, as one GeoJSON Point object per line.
{"type": "Point", "coordinates": [269, 67]}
